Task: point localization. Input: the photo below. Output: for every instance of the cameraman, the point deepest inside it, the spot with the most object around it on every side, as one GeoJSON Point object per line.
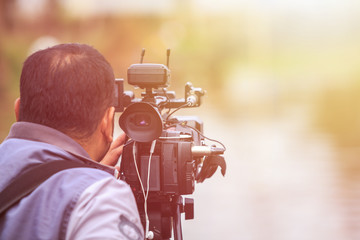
{"type": "Point", "coordinates": [65, 112]}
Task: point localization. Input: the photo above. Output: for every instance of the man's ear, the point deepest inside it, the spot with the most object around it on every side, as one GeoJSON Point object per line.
{"type": "Point", "coordinates": [17, 108]}
{"type": "Point", "coordinates": [107, 124]}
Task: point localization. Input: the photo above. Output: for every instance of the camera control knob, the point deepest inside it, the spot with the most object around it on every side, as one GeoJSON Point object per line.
{"type": "Point", "coordinates": [192, 100]}
{"type": "Point", "coordinates": [189, 208]}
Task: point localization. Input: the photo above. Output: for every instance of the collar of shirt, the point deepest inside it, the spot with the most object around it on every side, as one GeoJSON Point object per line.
{"type": "Point", "coordinates": [41, 133]}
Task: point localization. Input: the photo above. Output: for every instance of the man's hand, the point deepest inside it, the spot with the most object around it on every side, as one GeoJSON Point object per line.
{"type": "Point", "coordinates": [115, 150]}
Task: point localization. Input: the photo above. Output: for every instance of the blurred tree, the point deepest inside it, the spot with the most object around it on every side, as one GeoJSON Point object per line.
{"type": "Point", "coordinates": [7, 8]}
{"type": "Point", "coordinates": [338, 114]}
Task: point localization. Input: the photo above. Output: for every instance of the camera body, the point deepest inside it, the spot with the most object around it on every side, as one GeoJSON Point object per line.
{"type": "Point", "coordinates": [166, 154]}
{"type": "Point", "coordinates": [172, 166]}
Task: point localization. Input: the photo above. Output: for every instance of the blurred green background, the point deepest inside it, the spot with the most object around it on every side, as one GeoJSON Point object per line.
{"type": "Point", "coordinates": [283, 93]}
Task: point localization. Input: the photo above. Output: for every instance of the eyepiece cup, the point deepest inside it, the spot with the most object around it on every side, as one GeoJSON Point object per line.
{"type": "Point", "coordinates": [141, 122]}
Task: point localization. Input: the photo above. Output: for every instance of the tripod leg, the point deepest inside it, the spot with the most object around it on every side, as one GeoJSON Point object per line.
{"type": "Point", "coordinates": [177, 219]}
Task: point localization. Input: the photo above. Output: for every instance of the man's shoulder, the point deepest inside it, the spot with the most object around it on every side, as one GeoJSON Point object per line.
{"type": "Point", "coordinates": [81, 174]}
{"type": "Point", "coordinates": [53, 201]}
{"type": "Point", "coordinates": [18, 155]}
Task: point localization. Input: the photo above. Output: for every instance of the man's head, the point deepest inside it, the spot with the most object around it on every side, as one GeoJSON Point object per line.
{"type": "Point", "coordinates": [69, 87]}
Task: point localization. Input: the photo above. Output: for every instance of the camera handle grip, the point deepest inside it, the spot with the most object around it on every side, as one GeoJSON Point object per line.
{"type": "Point", "coordinates": [211, 163]}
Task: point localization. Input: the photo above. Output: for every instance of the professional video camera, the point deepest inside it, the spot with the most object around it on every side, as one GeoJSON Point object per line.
{"type": "Point", "coordinates": [166, 154]}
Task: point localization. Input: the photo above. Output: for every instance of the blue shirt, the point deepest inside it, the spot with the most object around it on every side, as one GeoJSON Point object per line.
{"type": "Point", "coordinates": [59, 207]}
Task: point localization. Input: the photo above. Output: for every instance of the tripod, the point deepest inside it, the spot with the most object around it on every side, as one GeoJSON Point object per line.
{"type": "Point", "coordinates": [165, 216]}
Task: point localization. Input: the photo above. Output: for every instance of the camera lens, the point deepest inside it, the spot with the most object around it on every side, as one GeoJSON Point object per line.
{"type": "Point", "coordinates": [142, 120]}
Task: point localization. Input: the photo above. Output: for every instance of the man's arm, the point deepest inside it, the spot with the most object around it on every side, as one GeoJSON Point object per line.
{"type": "Point", "coordinates": [105, 210]}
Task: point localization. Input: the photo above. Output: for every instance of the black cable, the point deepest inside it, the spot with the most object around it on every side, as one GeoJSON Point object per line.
{"type": "Point", "coordinates": [177, 109]}
{"type": "Point", "coordinates": [210, 139]}
{"type": "Point", "coordinates": [200, 133]}
{"type": "Point", "coordinates": [128, 142]}
{"type": "Point", "coordinates": [167, 100]}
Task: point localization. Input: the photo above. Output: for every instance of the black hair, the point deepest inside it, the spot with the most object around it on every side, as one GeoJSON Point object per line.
{"type": "Point", "coordinates": [67, 87]}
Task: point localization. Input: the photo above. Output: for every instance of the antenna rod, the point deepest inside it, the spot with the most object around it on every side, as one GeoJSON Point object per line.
{"type": "Point", "coordinates": [167, 57]}
{"type": "Point", "coordinates": [142, 55]}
